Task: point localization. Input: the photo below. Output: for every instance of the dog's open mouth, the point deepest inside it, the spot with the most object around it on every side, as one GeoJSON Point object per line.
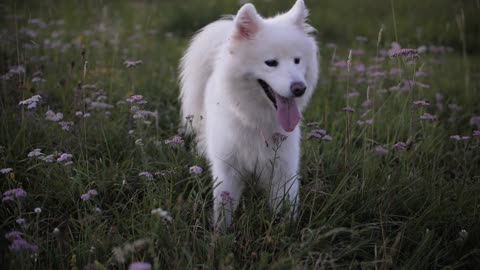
{"type": "Point", "coordinates": [287, 111]}
{"type": "Point", "coordinates": [268, 91]}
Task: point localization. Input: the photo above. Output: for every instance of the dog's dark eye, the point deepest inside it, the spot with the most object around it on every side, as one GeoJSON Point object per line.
{"type": "Point", "coordinates": [297, 60]}
{"type": "Point", "coordinates": [271, 63]}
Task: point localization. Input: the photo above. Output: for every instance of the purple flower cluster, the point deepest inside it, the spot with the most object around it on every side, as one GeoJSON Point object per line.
{"type": "Point", "coordinates": [18, 243]}
{"type": "Point", "coordinates": [138, 114]}
{"type": "Point", "coordinates": [137, 99]}
{"type": "Point", "coordinates": [65, 157]}
{"type": "Point", "coordinates": [460, 138]}
{"type": "Point", "coordinates": [132, 63]}
{"type": "Point", "coordinates": [400, 146]}
{"type": "Point", "coordinates": [196, 170]}
{"type": "Point", "coordinates": [348, 109]}
{"type": "Point", "coordinates": [475, 121]}
{"type": "Point", "coordinates": [140, 266]}
{"type": "Point", "coordinates": [404, 52]}
{"type": "Point", "coordinates": [52, 116]}
{"type": "Point", "coordinates": [31, 102]}
{"type": "Point", "coordinates": [66, 125]}
{"type": "Point", "coordinates": [409, 84]}
{"type": "Point", "coordinates": [87, 196]}
{"type": "Point", "coordinates": [6, 170]}
{"type": "Point", "coordinates": [226, 197]}
{"type": "Point", "coordinates": [175, 140]}
{"type": "Point", "coordinates": [320, 134]}
{"type": "Point", "coordinates": [35, 153]}
{"type": "Point", "coordinates": [12, 194]}
{"type": "Point", "coordinates": [148, 175]}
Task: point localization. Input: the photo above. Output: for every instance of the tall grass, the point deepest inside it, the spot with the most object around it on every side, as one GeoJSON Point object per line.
{"type": "Point", "coordinates": [392, 183]}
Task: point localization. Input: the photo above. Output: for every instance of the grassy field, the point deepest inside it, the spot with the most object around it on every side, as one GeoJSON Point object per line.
{"type": "Point", "coordinates": [90, 180]}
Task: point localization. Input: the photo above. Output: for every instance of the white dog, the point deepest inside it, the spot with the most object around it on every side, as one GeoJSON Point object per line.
{"type": "Point", "coordinates": [244, 84]}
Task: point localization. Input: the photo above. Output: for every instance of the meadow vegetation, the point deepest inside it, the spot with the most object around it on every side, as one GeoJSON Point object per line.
{"type": "Point", "coordinates": [96, 174]}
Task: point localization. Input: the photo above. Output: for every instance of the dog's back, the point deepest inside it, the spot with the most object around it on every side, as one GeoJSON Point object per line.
{"type": "Point", "coordinates": [196, 67]}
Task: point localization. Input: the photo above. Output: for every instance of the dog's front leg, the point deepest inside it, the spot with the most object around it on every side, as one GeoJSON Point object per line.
{"type": "Point", "coordinates": [227, 191]}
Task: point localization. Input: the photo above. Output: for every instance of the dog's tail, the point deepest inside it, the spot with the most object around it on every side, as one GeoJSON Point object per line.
{"type": "Point", "coordinates": [196, 68]}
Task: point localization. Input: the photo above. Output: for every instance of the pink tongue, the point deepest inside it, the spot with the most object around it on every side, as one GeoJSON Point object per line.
{"type": "Point", "coordinates": [288, 115]}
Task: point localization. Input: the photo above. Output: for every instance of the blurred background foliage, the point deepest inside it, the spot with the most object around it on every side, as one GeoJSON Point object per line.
{"type": "Point", "coordinates": [417, 22]}
{"type": "Point", "coordinates": [432, 188]}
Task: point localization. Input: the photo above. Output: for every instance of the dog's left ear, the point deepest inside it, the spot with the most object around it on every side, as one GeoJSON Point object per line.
{"type": "Point", "coordinates": [298, 13]}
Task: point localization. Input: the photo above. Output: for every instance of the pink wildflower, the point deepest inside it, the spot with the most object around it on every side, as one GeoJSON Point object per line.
{"type": "Point", "coordinates": [66, 125]}
{"type": "Point", "coordinates": [367, 104]}
{"type": "Point", "coordinates": [132, 63]}
{"type": "Point", "coordinates": [87, 196]}
{"type": "Point", "coordinates": [327, 138]}
{"type": "Point", "coordinates": [196, 170]}
{"type": "Point", "coordinates": [64, 157]}
{"type": "Point", "coordinates": [31, 102]}
{"type": "Point", "coordinates": [460, 138]}
{"type": "Point", "coordinates": [317, 133]}
{"type": "Point", "coordinates": [359, 67]}
{"type": "Point", "coordinates": [455, 137]}
{"type": "Point", "coordinates": [404, 52]}
{"type": "Point", "coordinates": [475, 121]}
{"type": "Point", "coordinates": [348, 109]}
{"type": "Point", "coordinates": [148, 175]}
{"type": "Point", "coordinates": [175, 140]}
{"type": "Point", "coordinates": [135, 99]}
{"type": "Point", "coordinates": [12, 194]}
{"type": "Point", "coordinates": [22, 244]}
{"type": "Point", "coordinates": [52, 116]}
{"type": "Point", "coordinates": [400, 146]}
{"type": "Point", "coordinates": [35, 153]}
{"type": "Point", "coordinates": [20, 221]}
{"type": "Point", "coordinates": [226, 197]}
{"type": "Point", "coordinates": [140, 266]}
{"type": "Point", "coordinates": [13, 235]}
{"type": "Point", "coordinates": [6, 170]}
{"type": "Point", "coordinates": [410, 84]}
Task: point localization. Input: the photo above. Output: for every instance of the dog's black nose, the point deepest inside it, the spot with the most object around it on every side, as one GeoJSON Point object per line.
{"type": "Point", "coordinates": [298, 88]}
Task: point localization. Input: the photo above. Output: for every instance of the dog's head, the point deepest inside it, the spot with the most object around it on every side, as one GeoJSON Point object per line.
{"type": "Point", "coordinates": [280, 56]}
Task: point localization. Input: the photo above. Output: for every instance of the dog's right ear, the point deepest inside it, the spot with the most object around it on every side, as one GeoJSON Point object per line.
{"type": "Point", "coordinates": [247, 23]}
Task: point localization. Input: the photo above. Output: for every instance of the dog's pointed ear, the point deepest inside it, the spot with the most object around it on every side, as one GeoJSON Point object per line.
{"type": "Point", "coordinates": [247, 23]}
{"type": "Point", "coordinates": [298, 13]}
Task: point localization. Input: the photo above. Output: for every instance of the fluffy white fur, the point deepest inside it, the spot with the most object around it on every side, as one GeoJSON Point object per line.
{"type": "Point", "coordinates": [233, 119]}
